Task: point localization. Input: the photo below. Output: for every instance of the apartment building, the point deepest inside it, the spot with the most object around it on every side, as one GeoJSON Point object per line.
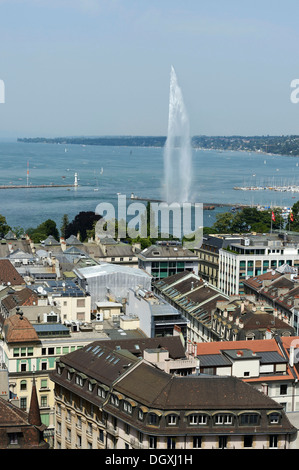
{"type": "Point", "coordinates": [252, 256]}
{"type": "Point", "coordinates": [208, 256]}
{"type": "Point", "coordinates": [108, 399]}
{"type": "Point", "coordinates": [18, 429]}
{"type": "Point", "coordinates": [30, 350]}
{"type": "Point", "coordinates": [280, 290]}
{"type": "Point", "coordinates": [157, 317]}
{"type": "Point", "coordinates": [269, 365]}
{"type": "Point", "coordinates": [246, 318]}
{"type": "Point", "coordinates": [73, 301]}
{"type": "Point", "coordinates": [167, 258]}
{"type": "Point", "coordinates": [195, 299]}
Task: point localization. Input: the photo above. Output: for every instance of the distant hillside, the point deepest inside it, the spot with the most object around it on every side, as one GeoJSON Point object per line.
{"type": "Point", "coordinates": [279, 145]}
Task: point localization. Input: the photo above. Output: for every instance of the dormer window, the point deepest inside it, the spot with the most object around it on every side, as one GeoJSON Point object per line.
{"type": "Point", "coordinates": [79, 380]}
{"type": "Point", "coordinates": [198, 419]}
{"type": "Point", "coordinates": [101, 392]}
{"type": "Point", "coordinates": [172, 419]}
{"type": "Point", "coordinates": [274, 417]}
{"type": "Point", "coordinates": [114, 400]}
{"type": "Point", "coordinates": [70, 374]}
{"type": "Point", "coordinates": [154, 417]}
{"type": "Point", "coordinates": [127, 407]}
{"type": "Point", "coordinates": [224, 419]}
{"type": "Point", "coordinates": [249, 418]}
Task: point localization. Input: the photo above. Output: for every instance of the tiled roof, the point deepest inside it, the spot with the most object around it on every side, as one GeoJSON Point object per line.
{"type": "Point", "coordinates": [256, 346]}
{"type": "Point", "coordinates": [22, 297]}
{"type": "Point", "coordinates": [18, 329]}
{"type": "Point", "coordinates": [8, 273]}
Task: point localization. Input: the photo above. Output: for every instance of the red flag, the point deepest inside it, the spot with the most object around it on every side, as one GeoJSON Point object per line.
{"type": "Point", "coordinates": [273, 216]}
{"type": "Point", "coordinates": [291, 217]}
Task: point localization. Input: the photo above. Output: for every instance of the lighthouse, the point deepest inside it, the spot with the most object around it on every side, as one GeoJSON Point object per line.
{"type": "Point", "coordinates": [76, 180]}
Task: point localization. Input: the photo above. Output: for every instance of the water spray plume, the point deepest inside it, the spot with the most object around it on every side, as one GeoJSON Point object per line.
{"type": "Point", "coordinates": [177, 151]}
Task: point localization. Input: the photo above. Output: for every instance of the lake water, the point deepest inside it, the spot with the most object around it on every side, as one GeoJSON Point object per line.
{"type": "Point", "coordinates": [128, 170]}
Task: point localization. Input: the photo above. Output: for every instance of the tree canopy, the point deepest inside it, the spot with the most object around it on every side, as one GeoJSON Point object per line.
{"type": "Point", "coordinates": [247, 220]}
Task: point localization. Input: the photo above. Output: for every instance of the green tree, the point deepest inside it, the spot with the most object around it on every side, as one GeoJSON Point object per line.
{"type": "Point", "coordinates": [294, 224]}
{"type": "Point", "coordinates": [4, 228]}
{"type": "Point", "coordinates": [83, 222]}
{"type": "Point", "coordinates": [44, 230]}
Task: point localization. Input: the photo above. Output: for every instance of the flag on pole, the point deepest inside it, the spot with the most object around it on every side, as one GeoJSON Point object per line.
{"type": "Point", "coordinates": [273, 216]}
{"type": "Point", "coordinates": [291, 217]}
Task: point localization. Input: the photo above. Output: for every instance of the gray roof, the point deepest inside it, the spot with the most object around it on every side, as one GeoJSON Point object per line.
{"type": "Point", "coordinates": [164, 251]}
{"type": "Point", "coordinates": [213, 360]}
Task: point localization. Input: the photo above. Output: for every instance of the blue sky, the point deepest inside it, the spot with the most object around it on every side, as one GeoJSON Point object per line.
{"type": "Point", "coordinates": [102, 67]}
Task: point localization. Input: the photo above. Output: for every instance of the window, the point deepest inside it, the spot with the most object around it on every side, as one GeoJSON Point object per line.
{"type": "Point", "coordinates": [171, 420]}
{"type": "Point", "coordinates": [16, 352]}
{"type": "Point", "coordinates": [44, 383]}
{"type": "Point", "coordinates": [90, 387]}
{"type": "Point", "coordinates": [127, 407]}
{"type": "Point", "coordinates": [23, 367]}
{"type": "Point", "coordinates": [114, 400]}
{"type": "Point", "coordinates": [79, 380]}
{"type": "Point", "coordinates": [23, 403]}
{"type": "Point", "coordinates": [223, 419]}
{"type": "Point", "coordinates": [273, 441]}
{"type": "Point", "coordinates": [59, 427]}
{"type": "Point", "coordinates": [44, 401]}
{"type": "Point", "coordinates": [101, 435]}
{"type": "Point", "coordinates": [222, 442]}
{"type": "Point", "coordinates": [197, 442]}
{"type": "Point", "coordinates": [274, 418]}
{"type": "Point", "coordinates": [283, 389]}
{"type": "Point", "coordinates": [23, 385]}
{"type": "Point", "coordinates": [79, 441]}
{"type": "Point", "coordinates": [101, 392]}
{"type": "Point", "coordinates": [23, 352]}
{"type": "Point", "coordinates": [140, 415]}
{"type": "Point", "coordinates": [198, 419]}
{"type": "Point", "coordinates": [248, 441]}
{"type": "Point", "coordinates": [13, 438]}
{"type": "Point", "coordinates": [152, 442]}
{"type": "Point", "coordinates": [153, 419]}
{"type": "Point", "coordinates": [249, 418]}
{"type": "Point", "coordinates": [171, 441]}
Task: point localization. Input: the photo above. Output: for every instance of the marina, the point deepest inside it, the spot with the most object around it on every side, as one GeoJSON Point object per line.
{"type": "Point", "coordinates": [290, 189]}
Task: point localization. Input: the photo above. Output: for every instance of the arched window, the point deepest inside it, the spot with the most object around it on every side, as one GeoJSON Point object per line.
{"type": "Point", "coordinates": [23, 385]}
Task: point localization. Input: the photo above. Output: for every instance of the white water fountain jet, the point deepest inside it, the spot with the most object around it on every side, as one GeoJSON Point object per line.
{"type": "Point", "coordinates": [177, 151]}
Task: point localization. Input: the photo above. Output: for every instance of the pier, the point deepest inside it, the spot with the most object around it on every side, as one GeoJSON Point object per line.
{"type": "Point", "coordinates": [21, 186]}
{"type": "Point", "coordinates": [206, 206]}
{"type": "Point", "coordinates": [34, 186]}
